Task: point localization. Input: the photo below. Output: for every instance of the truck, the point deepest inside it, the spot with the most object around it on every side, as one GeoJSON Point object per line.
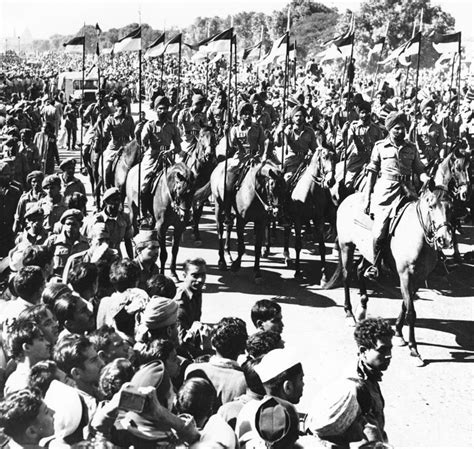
{"type": "Point", "coordinates": [71, 84]}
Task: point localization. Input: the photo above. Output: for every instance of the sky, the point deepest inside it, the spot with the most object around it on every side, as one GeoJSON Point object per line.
{"type": "Point", "coordinates": [44, 18]}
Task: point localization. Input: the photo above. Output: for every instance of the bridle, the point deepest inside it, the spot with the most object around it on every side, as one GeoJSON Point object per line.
{"type": "Point", "coordinates": [430, 228]}
{"type": "Point", "coordinates": [175, 206]}
{"type": "Point", "coordinates": [271, 207]}
{"type": "Point", "coordinates": [320, 177]}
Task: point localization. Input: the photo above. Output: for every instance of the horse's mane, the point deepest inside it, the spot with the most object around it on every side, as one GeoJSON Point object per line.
{"type": "Point", "coordinates": [267, 165]}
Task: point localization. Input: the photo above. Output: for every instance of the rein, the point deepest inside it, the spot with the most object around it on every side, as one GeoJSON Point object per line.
{"type": "Point", "coordinates": [267, 207]}
{"type": "Point", "coordinates": [174, 205]}
{"type": "Point", "coordinates": [430, 229]}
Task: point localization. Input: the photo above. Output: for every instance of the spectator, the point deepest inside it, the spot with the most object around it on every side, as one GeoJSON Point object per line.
{"type": "Point", "coordinates": [266, 315]}
{"type": "Point", "coordinates": [74, 315]}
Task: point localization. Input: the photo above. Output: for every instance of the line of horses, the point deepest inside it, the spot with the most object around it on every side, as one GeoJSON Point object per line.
{"type": "Point", "coordinates": [424, 227]}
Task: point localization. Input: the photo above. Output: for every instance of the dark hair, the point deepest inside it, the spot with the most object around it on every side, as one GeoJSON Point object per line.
{"type": "Point", "coordinates": [273, 387]}
{"type": "Point", "coordinates": [42, 374]}
{"type": "Point", "coordinates": [264, 310]}
{"type": "Point", "coordinates": [368, 331]}
{"type": "Point", "coordinates": [34, 313]}
{"type": "Point", "coordinates": [19, 411]}
{"type": "Point", "coordinates": [22, 332]}
{"type": "Point", "coordinates": [28, 281]}
{"type": "Point", "coordinates": [196, 397]}
{"type": "Point", "coordinates": [229, 337]}
{"type": "Point", "coordinates": [37, 255]}
{"type": "Point", "coordinates": [69, 352]}
{"type": "Point", "coordinates": [197, 261]}
{"type": "Point", "coordinates": [124, 274]}
{"type": "Point", "coordinates": [64, 308]}
{"type": "Point", "coordinates": [161, 285]}
{"type": "Point", "coordinates": [252, 379]}
{"type": "Point", "coordinates": [52, 292]}
{"type": "Point", "coordinates": [76, 200]}
{"type": "Point", "coordinates": [262, 342]}
{"type": "Point", "coordinates": [83, 276]}
{"type": "Point", "coordinates": [102, 338]}
{"type": "Point", "coordinates": [159, 349]}
{"type": "Point", "coordinates": [113, 376]}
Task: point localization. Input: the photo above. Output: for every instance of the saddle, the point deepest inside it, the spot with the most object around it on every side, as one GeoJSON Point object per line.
{"type": "Point", "coordinates": [296, 176]}
{"type": "Point", "coordinates": [250, 162]}
{"type": "Point", "coordinates": [112, 166]}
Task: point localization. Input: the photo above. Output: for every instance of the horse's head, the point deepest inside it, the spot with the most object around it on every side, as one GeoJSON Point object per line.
{"type": "Point", "coordinates": [206, 145]}
{"type": "Point", "coordinates": [270, 182]}
{"type": "Point", "coordinates": [180, 181]}
{"type": "Point", "coordinates": [460, 183]}
{"type": "Point", "coordinates": [439, 216]}
{"type": "Point", "coordinates": [324, 167]}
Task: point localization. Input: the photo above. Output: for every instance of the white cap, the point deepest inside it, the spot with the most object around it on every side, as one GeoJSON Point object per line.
{"type": "Point", "coordinates": [275, 363]}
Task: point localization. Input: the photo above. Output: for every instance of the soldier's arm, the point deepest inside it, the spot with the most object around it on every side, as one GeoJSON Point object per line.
{"type": "Point", "coordinates": [177, 140]}
{"type": "Point", "coordinates": [313, 142]}
{"type": "Point", "coordinates": [261, 141]}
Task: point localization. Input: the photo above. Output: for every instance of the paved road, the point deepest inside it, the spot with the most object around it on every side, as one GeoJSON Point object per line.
{"type": "Point", "coordinates": [425, 407]}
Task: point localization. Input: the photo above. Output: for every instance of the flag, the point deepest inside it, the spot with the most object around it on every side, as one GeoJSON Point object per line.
{"type": "Point", "coordinates": [75, 45]}
{"type": "Point", "coordinates": [98, 31]}
{"type": "Point", "coordinates": [221, 41]}
{"type": "Point", "coordinates": [156, 48]}
{"type": "Point", "coordinates": [378, 46]}
{"type": "Point", "coordinates": [407, 49]}
{"type": "Point", "coordinates": [291, 54]}
{"type": "Point", "coordinates": [131, 42]}
{"type": "Point", "coordinates": [252, 52]}
{"type": "Point", "coordinates": [278, 49]}
{"type": "Point", "coordinates": [344, 39]}
{"type": "Point", "coordinates": [173, 45]}
{"type": "Point", "coordinates": [97, 51]}
{"type": "Point", "coordinates": [448, 43]}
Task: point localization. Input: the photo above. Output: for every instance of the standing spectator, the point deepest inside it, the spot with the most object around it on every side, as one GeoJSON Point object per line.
{"type": "Point", "coordinates": [70, 184]}
{"type": "Point", "coordinates": [45, 140]}
{"type": "Point", "coordinates": [34, 180]}
{"type": "Point", "coordinates": [52, 204]}
{"type": "Point", "coordinates": [71, 116]}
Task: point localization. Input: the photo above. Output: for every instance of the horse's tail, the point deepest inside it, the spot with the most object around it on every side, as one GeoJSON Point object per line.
{"type": "Point", "coordinates": [336, 278]}
{"type": "Point", "coordinates": [202, 194]}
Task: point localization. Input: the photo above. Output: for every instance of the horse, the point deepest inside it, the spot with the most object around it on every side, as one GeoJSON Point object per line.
{"type": "Point", "coordinates": [310, 200]}
{"type": "Point", "coordinates": [422, 229]}
{"type": "Point", "coordinates": [90, 158]}
{"type": "Point", "coordinates": [172, 195]}
{"type": "Point", "coordinates": [201, 159]}
{"type": "Point", "coordinates": [258, 199]}
{"type": "Point", "coordinates": [453, 173]}
{"type": "Point", "coordinates": [126, 157]}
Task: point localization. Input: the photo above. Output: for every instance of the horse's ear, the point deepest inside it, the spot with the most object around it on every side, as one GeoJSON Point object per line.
{"type": "Point", "coordinates": [431, 185]}
{"type": "Point", "coordinates": [180, 177]}
{"type": "Point", "coordinates": [273, 174]}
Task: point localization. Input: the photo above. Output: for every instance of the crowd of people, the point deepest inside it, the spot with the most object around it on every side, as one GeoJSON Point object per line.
{"type": "Point", "coordinates": [98, 348]}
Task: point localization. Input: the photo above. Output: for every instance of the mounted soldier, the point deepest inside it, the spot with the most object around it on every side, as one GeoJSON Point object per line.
{"type": "Point", "coordinates": [191, 120]}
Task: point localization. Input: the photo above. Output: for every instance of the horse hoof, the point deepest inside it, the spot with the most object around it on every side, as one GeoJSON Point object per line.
{"type": "Point", "coordinates": [324, 280]}
{"type": "Point", "coordinates": [266, 253]}
{"type": "Point", "coordinates": [418, 360]}
{"type": "Point", "coordinates": [222, 265]}
{"type": "Point", "coordinates": [399, 341]}
{"type": "Point", "coordinates": [258, 279]}
{"type": "Point", "coordinates": [350, 321]}
{"type": "Point", "coordinates": [298, 274]}
{"type": "Point", "coordinates": [174, 277]}
{"type": "Point", "coordinates": [288, 262]}
{"type": "Point", "coordinates": [361, 313]}
{"type": "Point", "coordinates": [235, 266]}
{"type": "Point", "coordinates": [198, 243]}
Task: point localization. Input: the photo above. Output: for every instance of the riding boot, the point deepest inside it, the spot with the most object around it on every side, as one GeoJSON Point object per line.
{"type": "Point", "coordinates": [373, 271]}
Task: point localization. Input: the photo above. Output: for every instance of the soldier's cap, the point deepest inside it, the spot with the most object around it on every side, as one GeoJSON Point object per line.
{"type": "Point", "coordinates": [67, 162]}
{"type": "Point", "coordinates": [35, 174]}
{"type": "Point", "coordinates": [256, 98]}
{"type": "Point", "coordinates": [275, 363]}
{"type": "Point", "coordinates": [51, 180]}
{"type": "Point", "coordinates": [26, 132]}
{"type": "Point", "coordinates": [245, 107]}
{"type": "Point", "coordinates": [198, 99]}
{"type": "Point", "coordinates": [364, 106]}
{"type": "Point", "coordinates": [161, 100]}
{"type": "Point", "coordinates": [110, 194]}
{"type": "Point", "coordinates": [5, 169]}
{"type": "Point", "coordinates": [144, 237]}
{"type": "Point", "coordinates": [76, 214]}
{"type": "Point", "coordinates": [427, 103]}
{"type": "Point", "coordinates": [33, 211]}
{"type": "Point", "coordinates": [395, 118]}
{"type": "Point", "coordinates": [298, 108]}
{"type": "Point", "coordinates": [276, 421]}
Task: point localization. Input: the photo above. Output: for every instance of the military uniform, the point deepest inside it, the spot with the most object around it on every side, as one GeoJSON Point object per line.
{"type": "Point", "coordinates": [52, 211]}
{"type": "Point", "coordinates": [62, 247]}
{"type": "Point", "coordinates": [395, 165]}
{"type": "Point", "coordinates": [190, 123]}
{"type": "Point", "coordinates": [8, 203]}
{"type": "Point", "coordinates": [119, 228]}
{"type": "Point", "coordinates": [26, 199]}
{"type": "Point", "coordinates": [72, 186]}
{"type": "Point", "coordinates": [430, 141]}
{"type": "Point", "coordinates": [247, 141]}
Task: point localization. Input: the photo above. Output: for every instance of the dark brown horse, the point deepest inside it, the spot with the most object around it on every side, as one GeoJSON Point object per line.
{"type": "Point", "coordinates": [258, 199]}
{"type": "Point", "coordinates": [423, 229]}
{"type": "Point", "coordinates": [310, 200]}
{"type": "Point", "coordinates": [172, 197]}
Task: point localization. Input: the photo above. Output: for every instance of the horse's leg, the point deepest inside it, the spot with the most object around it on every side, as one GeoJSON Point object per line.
{"type": "Point", "coordinates": [259, 228]}
{"type": "Point", "coordinates": [228, 232]}
{"type": "Point", "coordinates": [162, 241]}
{"type": "Point", "coordinates": [398, 339]}
{"type": "Point", "coordinates": [240, 244]}
{"type": "Point", "coordinates": [197, 212]}
{"type": "Point", "coordinates": [178, 232]}
{"type": "Point", "coordinates": [220, 235]}
{"type": "Point", "coordinates": [319, 237]}
{"type": "Point", "coordinates": [268, 239]}
{"type": "Point", "coordinates": [286, 244]}
{"type": "Point", "coordinates": [361, 310]}
{"type": "Point", "coordinates": [347, 256]}
{"type": "Point", "coordinates": [406, 286]}
{"type": "Point", "coordinates": [298, 246]}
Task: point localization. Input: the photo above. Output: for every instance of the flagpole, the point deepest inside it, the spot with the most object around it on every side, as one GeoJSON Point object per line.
{"type": "Point", "coordinates": [83, 82]}
{"type": "Point", "coordinates": [378, 65]}
{"type": "Point", "coordinates": [416, 89]}
{"type": "Point", "coordinates": [179, 71]}
{"type": "Point", "coordinates": [294, 62]}
{"type": "Point", "coordinates": [227, 125]}
{"type": "Point", "coordinates": [235, 76]}
{"type": "Point", "coordinates": [351, 79]}
{"type": "Point", "coordinates": [139, 191]}
{"type": "Point", "coordinates": [459, 73]}
{"type": "Point", "coordinates": [162, 58]}
{"type": "Point", "coordinates": [285, 99]}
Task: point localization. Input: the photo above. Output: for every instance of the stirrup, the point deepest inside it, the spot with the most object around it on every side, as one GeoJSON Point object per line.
{"type": "Point", "coordinates": [372, 273]}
